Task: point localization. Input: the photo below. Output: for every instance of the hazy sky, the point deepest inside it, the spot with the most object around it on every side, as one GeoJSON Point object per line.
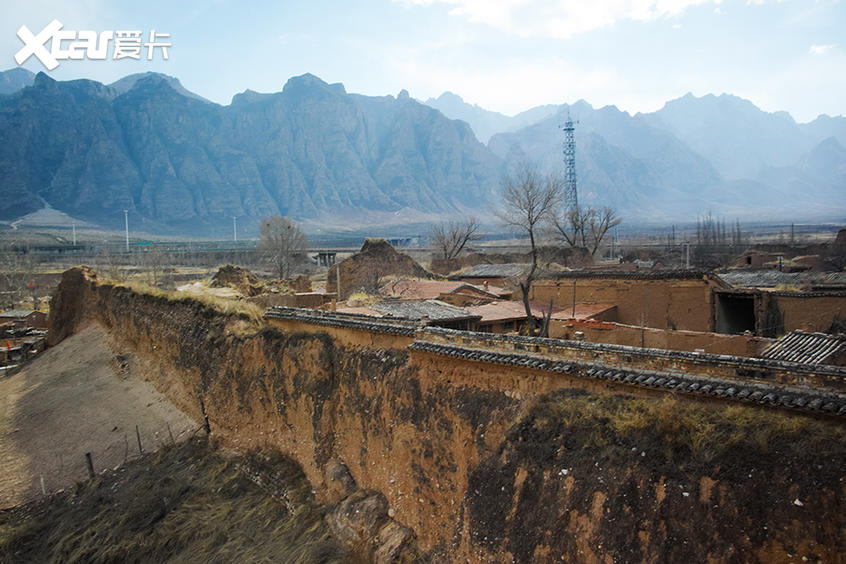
{"type": "Point", "coordinates": [505, 55]}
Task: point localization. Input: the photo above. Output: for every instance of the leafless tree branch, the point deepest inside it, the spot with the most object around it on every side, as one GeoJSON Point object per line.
{"type": "Point", "coordinates": [451, 238]}
{"type": "Point", "coordinates": [530, 200]}
{"type": "Point", "coordinates": [282, 243]}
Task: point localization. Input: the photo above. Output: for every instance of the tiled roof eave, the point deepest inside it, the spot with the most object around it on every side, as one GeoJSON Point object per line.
{"type": "Point", "coordinates": [804, 399]}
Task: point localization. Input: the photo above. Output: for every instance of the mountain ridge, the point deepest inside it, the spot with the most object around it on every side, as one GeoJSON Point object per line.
{"type": "Point", "coordinates": [310, 151]}
{"type": "Point", "coordinates": [324, 156]}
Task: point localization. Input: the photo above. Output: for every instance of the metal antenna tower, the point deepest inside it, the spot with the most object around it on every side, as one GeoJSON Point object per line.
{"type": "Point", "coordinates": [571, 194]}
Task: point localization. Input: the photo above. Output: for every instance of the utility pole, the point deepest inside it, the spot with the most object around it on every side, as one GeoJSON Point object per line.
{"type": "Point", "coordinates": [234, 229]}
{"type": "Point", "coordinates": [126, 226]}
{"type": "Point", "coordinates": [574, 299]}
{"type": "Point", "coordinates": [338, 279]}
{"type": "Point", "coordinates": [73, 226]}
{"type": "Point", "coordinates": [687, 254]}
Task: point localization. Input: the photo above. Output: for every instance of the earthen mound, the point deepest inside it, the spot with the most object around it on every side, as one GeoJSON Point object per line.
{"type": "Point", "coordinates": [241, 279]}
{"type": "Point", "coordinates": [365, 270]}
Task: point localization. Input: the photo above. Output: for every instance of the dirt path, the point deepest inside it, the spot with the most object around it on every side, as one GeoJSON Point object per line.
{"type": "Point", "coordinates": [74, 399]}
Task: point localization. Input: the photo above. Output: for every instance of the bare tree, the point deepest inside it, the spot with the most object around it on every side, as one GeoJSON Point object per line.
{"type": "Point", "coordinates": [571, 227]}
{"type": "Point", "coordinates": [16, 267]}
{"type": "Point", "coordinates": [450, 238]}
{"type": "Point", "coordinates": [529, 201]}
{"type": "Point", "coordinates": [597, 224]}
{"type": "Point", "coordinates": [282, 244]}
{"type": "Point", "coordinates": [586, 227]}
{"type": "Point", "coordinates": [155, 262]}
{"type": "Point", "coordinates": [111, 264]}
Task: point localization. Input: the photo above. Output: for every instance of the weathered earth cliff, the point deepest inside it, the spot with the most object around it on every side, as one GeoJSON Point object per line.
{"type": "Point", "coordinates": [486, 461]}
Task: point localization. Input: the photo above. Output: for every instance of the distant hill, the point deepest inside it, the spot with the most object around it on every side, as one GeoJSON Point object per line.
{"type": "Point", "coordinates": [328, 158]}
{"type": "Point", "coordinates": [696, 154]}
{"type": "Point", "coordinates": [312, 152]}
{"type": "Point", "coordinates": [621, 161]}
{"type": "Point", "coordinates": [817, 179]}
{"type": "Point", "coordinates": [736, 136]}
{"type": "Point", "coordinates": [486, 123]}
{"type": "Point", "coordinates": [126, 83]}
{"type": "Point", "coordinates": [15, 79]}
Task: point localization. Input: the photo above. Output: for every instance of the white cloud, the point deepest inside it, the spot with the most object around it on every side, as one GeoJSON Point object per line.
{"type": "Point", "coordinates": [820, 49]}
{"type": "Point", "coordinates": [560, 18]}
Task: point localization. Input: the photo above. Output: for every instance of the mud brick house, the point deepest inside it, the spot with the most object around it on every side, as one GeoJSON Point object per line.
{"type": "Point", "coordinates": [493, 274]}
{"type": "Point", "coordinates": [429, 312]}
{"type": "Point", "coordinates": [23, 318]}
{"type": "Point", "coordinates": [448, 291]}
{"type": "Point", "coordinates": [664, 299]}
{"type": "Point", "coordinates": [510, 316]}
{"type": "Point", "coordinates": [771, 303]}
{"type": "Point", "coordinates": [766, 303]}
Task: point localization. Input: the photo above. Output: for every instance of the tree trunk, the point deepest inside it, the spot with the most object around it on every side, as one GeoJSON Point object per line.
{"type": "Point", "coordinates": [526, 287]}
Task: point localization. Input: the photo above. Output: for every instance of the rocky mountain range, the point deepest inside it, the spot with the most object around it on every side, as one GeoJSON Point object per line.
{"type": "Point", "coordinates": [718, 153]}
{"type": "Point", "coordinates": [314, 152]}
{"type": "Point", "coordinates": [15, 79]}
{"type": "Point", "coordinates": [486, 123]}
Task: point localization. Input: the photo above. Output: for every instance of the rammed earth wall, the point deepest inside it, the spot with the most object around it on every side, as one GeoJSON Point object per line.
{"type": "Point", "coordinates": [667, 300]}
{"type": "Point", "coordinates": [499, 448]}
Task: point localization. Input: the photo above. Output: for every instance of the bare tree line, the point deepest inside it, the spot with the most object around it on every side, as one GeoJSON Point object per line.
{"type": "Point", "coordinates": [533, 203]}
{"type": "Point", "coordinates": [449, 239]}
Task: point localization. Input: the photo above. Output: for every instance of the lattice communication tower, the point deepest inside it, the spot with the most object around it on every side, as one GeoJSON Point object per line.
{"type": "Point", "coordinates": [571, 194]}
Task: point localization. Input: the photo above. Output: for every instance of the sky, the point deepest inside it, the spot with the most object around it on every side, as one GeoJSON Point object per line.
{"type": "Point", "coordinates": [504, 55]}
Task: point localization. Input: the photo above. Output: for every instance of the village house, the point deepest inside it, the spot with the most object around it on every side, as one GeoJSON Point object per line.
{"type": "Point", "coordinates": [25, 318]}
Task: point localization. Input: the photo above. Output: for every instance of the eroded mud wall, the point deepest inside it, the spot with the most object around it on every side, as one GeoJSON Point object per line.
{"type": "Point", "coordinates": [493, 462]}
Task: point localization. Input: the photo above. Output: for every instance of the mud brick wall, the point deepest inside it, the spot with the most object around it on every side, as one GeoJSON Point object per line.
{"type": "Point", "coordinates": [619, 334]}
{"type": "Point", "coordinates": [635, 358]}
{"type": "Point", "coordinates": [511, 451]}
{"type": "Point", "coordinates": [661, 302]}
{"type": "Point", "coordinates": [811, 311]}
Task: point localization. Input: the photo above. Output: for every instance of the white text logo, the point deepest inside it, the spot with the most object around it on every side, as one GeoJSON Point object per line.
{"type": "Point", "coordinates": [77, 45]}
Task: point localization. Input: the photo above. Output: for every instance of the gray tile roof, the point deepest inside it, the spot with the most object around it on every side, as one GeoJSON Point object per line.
{"type": "Point", "coordinates": [774, 278]}
{"type": "Point", "coordinates": [807, 348]}
{"type": "Point", "coordinates": [806, 399]}
{"type": "Point", "coordinates": [432, 309]}
{"type": "Point", "coordinates": [507, 270]}
{"type": "Point", "coordinates": [394, 326]}
{"type": "Point", "coordinates": [17, 313]}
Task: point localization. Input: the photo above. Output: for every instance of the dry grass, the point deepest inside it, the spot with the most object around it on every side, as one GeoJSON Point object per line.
{"type": "Point", "coordinates": [787, 288]}
{"type": "Point", "coordinates": [225, 305]}
{"type": "Point", "coordinates": [361, 299]}
{"type": "Point", "coordinates": [186, 503]}
{"type": "Point", "coordinates": [702, 430]}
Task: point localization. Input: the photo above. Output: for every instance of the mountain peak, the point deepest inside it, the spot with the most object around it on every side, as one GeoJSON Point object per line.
{"type": "Point", "coordinates": [15, 79]}
{"type": "Point", "coordinates": [308, 85]}
{"type": "Point", "coordinates": [829, 145]}
{"type": "Point", "coordinates": [448, 96]}
{"type": "Point", "coordinates": [306, 80]}
{"type": "Point", "coordinates": [130, 81]}
{"type": "Point", "coordinates": [250, 96]}
{"type": "Point", "coordinates": [43, 79]}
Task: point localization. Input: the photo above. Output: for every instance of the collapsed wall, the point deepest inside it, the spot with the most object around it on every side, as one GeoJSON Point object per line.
{"type": "Point", "coordinates": [484, 455]}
